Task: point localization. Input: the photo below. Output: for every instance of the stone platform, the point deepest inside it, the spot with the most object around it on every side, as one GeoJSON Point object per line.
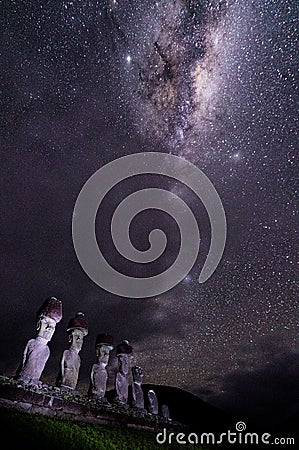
{"type": "Point", "coordinates": [51, 401]}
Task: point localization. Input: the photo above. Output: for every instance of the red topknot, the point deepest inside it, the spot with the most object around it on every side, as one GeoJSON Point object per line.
{"type": "Point", "coordinates": [104, 339]}
{"type": "Point", "coordinates": [124, 347]}
{"type": "Point", "coordinates": [52, 307]}
{"type": "Point", "coordinates": [78, 322]}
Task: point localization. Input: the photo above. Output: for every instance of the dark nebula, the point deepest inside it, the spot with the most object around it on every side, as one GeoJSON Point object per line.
{"type": "Point", "coordinates": [86, 82]}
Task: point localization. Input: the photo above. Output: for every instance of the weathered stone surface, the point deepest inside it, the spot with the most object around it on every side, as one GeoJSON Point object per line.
{"type": "Point", "coordinates": [24, 406]}
{"type": "Point", "coordinates": [51, 401]}
{"type": "Point", "coordinates": [122, 386]}
{"type": "Point", "coordinates": [13, 393]}
{"type": "Point", "coordinates": [70, 366]}
{"type": "Point", "coordinates": [35, 356]}
{"type": "Point", "coordinates": [74, 408]}
{"type": "Point", "coordinates": [34, 397]}
{"type": "Point", "coordinates": [42, 410]}
{"type": "Point", "coordinates": [137, 392]}
{"type": "Point", "coordinates": [37, 352]}
{"type": "Point", "coordinates": [55, 403]}
{"type": "Point", "coordinates": [99, 378]}
{"type": "Point", "coordinates": [71, 361]}
{"type": "Point", "coordinates": [52, 308]}
{"type": "Point", "coordinates": [78, 322]}
{"type": "Point", "coordinates": [153, 406]}
{"type": "Point", "coordinates": [165, 412]}
{"type": "Point", "coordinates": [123, 353]}
{"type": "Point", "coordinates": [99, 375]}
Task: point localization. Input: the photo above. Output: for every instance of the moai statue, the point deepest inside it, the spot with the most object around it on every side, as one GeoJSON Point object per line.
{"type": "Point", "coordinates": [137, 392]}
{"type": "Point", "coordinates": [70, 362]}
{"type": "Point", "coordinates": [123, 353]}
{"type": "Point", "coordinates": [153, 407]}
{"type": "Point", "coordinates": [165, 412]}
{"type": "Point", "coordinates": [37, 351]}
{"type": "Point", "coordinates": [99, 375]}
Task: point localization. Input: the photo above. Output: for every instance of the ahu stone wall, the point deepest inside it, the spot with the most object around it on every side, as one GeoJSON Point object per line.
{"type": "Point", "coordinates": [54, 402]}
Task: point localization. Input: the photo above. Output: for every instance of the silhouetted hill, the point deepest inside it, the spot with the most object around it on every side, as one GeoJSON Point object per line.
{"type": "Point", "coordinates": [186, 408]}
{"type": "Point", "coordinates": [189, 409]}
{"type": "Point", "coordinates": [200, 416]}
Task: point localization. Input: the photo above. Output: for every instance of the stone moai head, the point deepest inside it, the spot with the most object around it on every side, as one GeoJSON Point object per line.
{"type": "Point", "coordinates": [37, 351]}
{"type": "Point", "coordinates": [152, 402]}
{"type": "Point", "coordinates": [137, 374]}
{"type": "Point", "coordinates": [48, 315]}
{"type": "Point", "coordinates": [104, 345]}
{"type": "Point", "coordinates": [77, 329]}
{"type": "Point", "coordinates": [123, 353]}
{"type": "Point", "coordinates": [165, 412]}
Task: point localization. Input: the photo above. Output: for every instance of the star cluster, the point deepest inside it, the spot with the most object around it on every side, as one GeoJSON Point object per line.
{"type": "Point", "coordinates": [85, 82]}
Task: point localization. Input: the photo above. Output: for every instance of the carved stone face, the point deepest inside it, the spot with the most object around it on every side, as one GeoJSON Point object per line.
{"type": "Point", "coordinates": [124, 363]}
{"type": "Point", "coordinates": [103, 352]}
{"type": "Point", "coordinates": [46, 327]}
{"type": "Point", "coordinates": [137, 374]}
{"type": "Point", "coordinates": [151, 395]}
{"type": "Point", "coordinates": [76, 339]}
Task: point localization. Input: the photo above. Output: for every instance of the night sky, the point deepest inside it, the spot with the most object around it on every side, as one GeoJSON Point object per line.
{"type": "Point", "coordinates": [214, 82]}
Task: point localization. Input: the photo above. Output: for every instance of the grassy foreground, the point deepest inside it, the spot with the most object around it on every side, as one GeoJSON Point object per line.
{"type": "Point", "coordinates": [35, 432]}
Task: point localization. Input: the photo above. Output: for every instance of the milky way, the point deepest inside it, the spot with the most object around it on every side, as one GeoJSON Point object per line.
{"type": "Point", "coordinates": [174, 67]}
{"type": "Point", "coordinates": [85, 82]}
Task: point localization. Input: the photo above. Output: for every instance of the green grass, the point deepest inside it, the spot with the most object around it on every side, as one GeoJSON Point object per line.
{"type": "Point", "coordinates": [37, 432]}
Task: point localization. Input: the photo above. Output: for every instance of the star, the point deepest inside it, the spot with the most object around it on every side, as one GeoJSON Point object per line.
{"type": "Point", "coordinates": [212, 82]}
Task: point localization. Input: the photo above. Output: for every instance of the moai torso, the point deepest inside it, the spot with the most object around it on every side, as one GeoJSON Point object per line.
{"type": "Point", "coordinates": [165, 412]}
{"type": "Point", "coordinates": [123, 353]}
{"type": "Point", "coordinates": [99, 375]}
{"type": "Point", "coordinates": [71, 361]}
{"type": "Point", "coordinates": [153, 407]}
{"type": "Point", "coordinates": [37, 352]}
{"type": "Point", "coordinates": [122, 387]}
{"type": "Point", "coordinates": [137, 392]}
{"type": "Point", "coordinates": [35, 356]}
{"type": "Point", "coordinates": [99, 379]}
